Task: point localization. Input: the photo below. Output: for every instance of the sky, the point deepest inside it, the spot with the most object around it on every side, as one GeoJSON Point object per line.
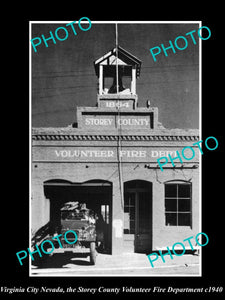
{"type": "Point", "coordinates": [63, 75]}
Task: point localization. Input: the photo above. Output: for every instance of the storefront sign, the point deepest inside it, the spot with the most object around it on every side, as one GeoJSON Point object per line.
{"type": "Point", "coordinates": [123, 122]}
{"type": "Point", "coordinates": [100, 154]}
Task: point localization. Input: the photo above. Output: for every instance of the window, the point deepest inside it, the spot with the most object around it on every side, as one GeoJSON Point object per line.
{"type": "Point", "coordinates": [129, 213]}
{"type": "Point", "coordinates": [178, 204]}
{"type": "Point", "coordinates": [105, 213]}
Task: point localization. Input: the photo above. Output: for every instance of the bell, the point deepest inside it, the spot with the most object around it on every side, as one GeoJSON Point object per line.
{"type": "Point", "coordinates": [113, 89]}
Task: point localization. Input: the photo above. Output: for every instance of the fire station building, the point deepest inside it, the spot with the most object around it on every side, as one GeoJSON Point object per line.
{"type": "Point", "coordinates": [108, 160]}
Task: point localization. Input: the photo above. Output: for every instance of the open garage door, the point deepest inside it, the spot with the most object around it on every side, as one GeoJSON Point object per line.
{"type": "Point", "coordinates": [96, 194]}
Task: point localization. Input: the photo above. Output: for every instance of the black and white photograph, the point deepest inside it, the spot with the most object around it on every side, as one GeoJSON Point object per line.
{"type": "Point", "coordinates": [114, 169]}
{"type": "Point", "coordinates": [115, 152]}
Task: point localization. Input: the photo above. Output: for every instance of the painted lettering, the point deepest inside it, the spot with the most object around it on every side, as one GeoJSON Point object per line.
{"type": "Point", "coordinates": [132, 122]}
{"type": "Point", "coordinates": [84, 153]}
{"type": "Point", "coordinates": [117, 104]}
{"type": "Point", "coordinates": [155, 153]}
{"type": "Point", "coordinates": [132, 153]}
{"type": "Point", "coordinates": [98, 122]}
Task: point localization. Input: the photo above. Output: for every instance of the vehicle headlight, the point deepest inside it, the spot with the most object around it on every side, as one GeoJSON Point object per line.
{"type": "Point", "coordinates": [92, 231]}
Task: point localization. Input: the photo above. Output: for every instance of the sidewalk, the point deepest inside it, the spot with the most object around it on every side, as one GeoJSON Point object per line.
{"type": "Point", "coordinates": [130, 264]}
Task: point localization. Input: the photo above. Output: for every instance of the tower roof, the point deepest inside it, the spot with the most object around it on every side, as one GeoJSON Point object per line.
{"type": "Point", "coordinates": [124, 58]}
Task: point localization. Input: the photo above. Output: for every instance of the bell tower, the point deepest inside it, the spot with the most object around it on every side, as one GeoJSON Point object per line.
{"type": "Point", "coordinates": [117, 72]}
{"type": "Point", "coordinates": [116, 109]}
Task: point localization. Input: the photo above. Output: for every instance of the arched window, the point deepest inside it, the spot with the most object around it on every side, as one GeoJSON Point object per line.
{"type": "Point", "coordinates": [178, 206]}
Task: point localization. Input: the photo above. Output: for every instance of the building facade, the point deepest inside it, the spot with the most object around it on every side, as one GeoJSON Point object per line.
{"type": "Point", "coordinates": [108, 160]}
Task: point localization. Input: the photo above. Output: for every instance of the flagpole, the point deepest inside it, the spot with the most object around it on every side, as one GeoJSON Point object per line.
{"type": "Point", "coordinates": [119, 128]}
{"type": "Point", "coordinates": [117, 83]}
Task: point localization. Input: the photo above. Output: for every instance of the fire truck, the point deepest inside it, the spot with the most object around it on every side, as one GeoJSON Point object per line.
{"type": "Point", "coordinates": [77, 217]}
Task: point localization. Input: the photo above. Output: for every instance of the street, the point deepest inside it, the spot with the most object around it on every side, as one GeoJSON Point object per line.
{"type": "Point", "coordinates": [129, 264]}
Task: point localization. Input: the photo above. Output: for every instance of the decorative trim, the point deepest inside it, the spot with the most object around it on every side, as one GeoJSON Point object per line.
{"type": "Point", "coordinates": [71, 137]}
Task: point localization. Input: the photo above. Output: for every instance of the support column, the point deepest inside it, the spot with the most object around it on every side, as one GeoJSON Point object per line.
{"type": "Point", "coordinates": [117, 220]}
{"type": "Point", "coordinates": [158, 213]}
{"type": "Point", "coordinates": [196, 225]}
{"type": "Point", "coordinates": [100, 79]}
{"type": "Point", "coordinates": [40, 206]}
{"type": "Point", "coordinates": [133, 81]}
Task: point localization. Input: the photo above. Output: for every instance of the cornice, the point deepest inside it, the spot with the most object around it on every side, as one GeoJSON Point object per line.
{"type": "Point", "coordinates": [101, 137]}
{"type": "Point", "coordinates": [71, 134]}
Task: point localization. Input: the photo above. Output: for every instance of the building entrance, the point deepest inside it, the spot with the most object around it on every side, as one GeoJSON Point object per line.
{"type": "Point", "coordinates": [137, 216]}
{"type": "Point", "coordinates": [96, 194]}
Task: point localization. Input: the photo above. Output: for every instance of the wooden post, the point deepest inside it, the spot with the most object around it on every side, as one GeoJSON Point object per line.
{"type": "Point", "coordinates": [133, 81]}
{"type": "Point", "coordinates": [100, 79]}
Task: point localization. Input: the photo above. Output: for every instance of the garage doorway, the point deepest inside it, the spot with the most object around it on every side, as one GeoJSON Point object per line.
{"type": "Point", "coordinates": [96, 194]}
{"type": "Point", "coordinates": [137, 216]}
